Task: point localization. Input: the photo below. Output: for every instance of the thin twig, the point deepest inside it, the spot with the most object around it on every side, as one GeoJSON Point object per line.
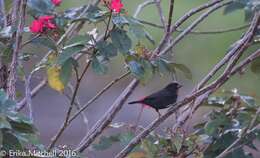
{"type": "Point", "coordinates": [79, 106]}
{"type": "Point", "coordinates": [243, 133]}
{"type": "Point", "coordinates": [181, 21]}
{"type": "Point", "coordinates": [30, 40]}
{"type": "Point", "coordinates": [69, 32]}
{"type": "Point", "coordinates": [102, 123]}
{"type": "Point", "coordinates": [193, 25]}
{"type": "Point", "coordinates": [66, 121]}
{"type": "Point", "coordinates": [197, 32]}
{"type": "Point", "coordinates": [207, 89]}
{"type": "Point", "coordinates": [238, 48]}
{"type": "Point", "coordinates": [142, 6]}
{"type": "Point", "coordinates": [107, 87]}
{"type": "Point", "coordinates": [160, 12]}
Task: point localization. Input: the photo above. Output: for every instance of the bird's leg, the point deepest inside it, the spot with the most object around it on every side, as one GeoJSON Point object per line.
{"type": "Point", "coordinates": [159, 114]}
{"type": "Point", "coordinates": [138, 118]}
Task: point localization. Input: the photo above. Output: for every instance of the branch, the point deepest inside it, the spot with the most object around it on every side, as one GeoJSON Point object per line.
{"type": "Point", "coordinates": [2, 13]}
{"type": "Point", "coordinates": [35, 91]}
{"type": "Point", "coordinates": [75, 27]}
{"type": "Point", "coordinates": [102, 123]}
{"type": "Point", "coordinates": [236, 52]}
{"type": "Point", "coordinates": [170, 16]}
{"type": "Point", "coordinates": [66, 121]}
{"type": "Point", "coordinates": [244, 132]}
{"type": "Point", "coordinates": [160, 12]}
{"type": "Point", "coordinates": [11, 85]}
{"type": "Point", "coordinates": [181, 21]}
{"type": "Point", "coordinates": [142, 6]}
{"type": "Point", "coordinates": [108, 117]}
{"type": "Point", "coordinates": [207, 89]}
{"type": "Point", "coordinates": [197, 32]}
{"type": "Point", "coordinates": [107, 87]}
{"type": "Point", "coordinates": [193, 25]}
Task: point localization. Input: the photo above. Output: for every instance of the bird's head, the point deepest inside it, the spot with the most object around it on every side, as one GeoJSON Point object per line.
{"type": "Point", "coordinates": [173, 86]}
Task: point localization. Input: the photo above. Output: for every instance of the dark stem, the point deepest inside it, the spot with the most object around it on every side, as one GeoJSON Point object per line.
{"type": "Point", "coordinates": [108, 24]}
{"type": "Point", "coordinates": [65, 123]}
{"type": "Point", "coordinates": [170, 16]}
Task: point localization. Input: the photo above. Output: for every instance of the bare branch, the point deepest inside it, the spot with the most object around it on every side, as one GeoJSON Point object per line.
{"type": "Point", "coordinates": [66, 121]}
{"type": "Point", "coordinates": [2, 13]}
{"type": "Point", "coordinates": [108, 117]}
{"type": "Point", "coordinates": [141, 6]}
{"type": "Point", "coordinates": [207, 89]}
{"type": "Point", "coordinates": [181, 21]}
{"type": "Point", "coordinates": [238, 48]}
{"type": "Point", "coordinates": [170, 16]}
{"type": "Point", "coordinates": [160, 12]}
{"type": "Point", "coordinates": [75, 27]}
{"type": "Point", "coordinates": [193, 25]}
{"type": "Point", "coordinates": [11, 89]}
{"type": "Point", "coordinates": [197, 32]}
{"type": "Point", "coordinates": [107, 87]}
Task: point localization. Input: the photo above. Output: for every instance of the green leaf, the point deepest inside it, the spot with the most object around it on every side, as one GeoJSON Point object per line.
{"type": "Point", "coordinates": [162, 66]}
{"type": "Point", "coordinates": [32, 139]}
{"type": "Point", "coordinates": [108, 50]}
{"type": "Point", "coordinates": [46, 42]}
{"type": "Point", "coordinates": [126, 137]}
{"type": "Point", "coordinates": [98, 67]}
{"type": "Point", "coordinates": [217, 102]}
{"type": "Point", "coordinates": [69, 52]}
{"type": "Point", "coordinates": [255, 66]}
{"type": "Point", "coordinates": [4, 123]}
{"type": "Point", "coordinates": [121, 40]}
{"type": "Point", "coordinates": [1, 139]}
{"type": "Point", "coordinates": [11, 142]}
{"type": "Point", "coordinates": [212, 126]}
{"type": "Point", "coordinates": [136, 68]}
{"type": "Point", "coordinates": [6, 32]}
{"type": "Point", "coordinates": [248, 100]}
{"type": "Point", "coordinates": [120, 20]}
{"type": "Point", "coordinates": [23, 127]}
{"type": "Point", "coordinates": [184, 69]}
{"type": "Point", "coordinates": [66, 70]}
{"type": "Point", "coordinates": [5, 103]}
{"type": "Point", "coordinates": [233, 7]}
{"type": "Point", "coordinates": [150, 148]}
{"type": "Point", "coordinates": [40, 6]}
{"type": "Point", "coordinates": [79, 40]}
{"type": "Point", "coordinates": [137, 30]}
{"type": "Point", "coordinates": [94, 14]}
{"type": "Point", "coordinates": [148, 71]}
{"type": "Point", "coordinates": [220, 145]}
{"type": "Point", "coordinates": [105, 142]}
{"type": "Point", "coordinates": [177, 142]}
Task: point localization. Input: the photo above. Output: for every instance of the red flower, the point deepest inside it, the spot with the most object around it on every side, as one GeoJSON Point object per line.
{"type": "Point", "coordinates": [42, 23]}
{"type": "Point", "coordinates": [116, 5]}
{"type": "Point", "coordinates": [36, 26]}
{"type": "Point", "coordinates": [56, 2]}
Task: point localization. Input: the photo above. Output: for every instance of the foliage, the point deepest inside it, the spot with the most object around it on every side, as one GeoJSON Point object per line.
{"type": "Point", "coordinates": [231, 114]}
{"type": "Point", "coordinates": [123, 36]}
{"type": "Point", "coordinates": [17, 132]}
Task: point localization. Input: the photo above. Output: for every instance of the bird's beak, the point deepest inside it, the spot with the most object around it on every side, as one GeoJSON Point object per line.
{"type": "Point", "coordinates": [179, 86]}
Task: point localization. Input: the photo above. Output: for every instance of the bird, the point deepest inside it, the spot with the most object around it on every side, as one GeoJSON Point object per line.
{"type": "Point", "coordinates": [161, 99]}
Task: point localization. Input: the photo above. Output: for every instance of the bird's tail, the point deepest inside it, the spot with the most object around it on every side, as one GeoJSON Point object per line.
{"type": "Point", "coordinates": [134, 102]}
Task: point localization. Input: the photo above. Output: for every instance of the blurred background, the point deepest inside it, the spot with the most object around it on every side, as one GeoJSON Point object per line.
{"type": "Point", "coordinates": [198, 52]}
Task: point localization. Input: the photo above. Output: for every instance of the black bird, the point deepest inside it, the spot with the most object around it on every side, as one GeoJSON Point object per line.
{"type": "Point", "coordinates": [161, 99]}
